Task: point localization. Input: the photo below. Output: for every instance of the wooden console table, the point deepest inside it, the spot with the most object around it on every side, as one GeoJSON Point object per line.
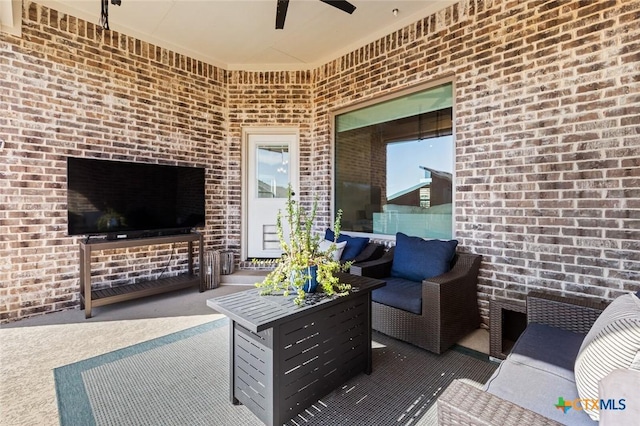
{"type": "Point", "coordinates": [90, 298]}
{"type": "Point", "coordinates": [283, 357]}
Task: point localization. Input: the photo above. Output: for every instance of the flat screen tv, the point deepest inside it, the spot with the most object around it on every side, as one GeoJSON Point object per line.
{"type": "Point", "coordinates": [128, 200]}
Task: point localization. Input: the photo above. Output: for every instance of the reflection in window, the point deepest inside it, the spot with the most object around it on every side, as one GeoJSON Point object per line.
{"type": "Point", "coordinates": [272, 171]}
{"type": "Point", "coordinates": [394, 166]}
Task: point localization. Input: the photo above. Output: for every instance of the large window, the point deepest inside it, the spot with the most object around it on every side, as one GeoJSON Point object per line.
{"type": "Point", "coordinates": [394, 165]}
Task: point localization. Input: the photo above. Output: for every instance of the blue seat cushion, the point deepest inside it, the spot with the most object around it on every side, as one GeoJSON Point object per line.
{"type": "Point", "coordinates": [401, 294]}
{"type": "Point", "coordinates": [539, 370]}
{"type": "Point", "coordinates": [354, 244]}
{"type": "Point", "coordinates": [538, 391]}
{"type": "Point", "coordinates": [548, 348]}
{"type": "Point", "coordinates": [416, 259]}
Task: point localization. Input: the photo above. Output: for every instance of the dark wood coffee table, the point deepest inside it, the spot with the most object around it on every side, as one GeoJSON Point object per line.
{"type": "Point", "coordinates": [284, 357]}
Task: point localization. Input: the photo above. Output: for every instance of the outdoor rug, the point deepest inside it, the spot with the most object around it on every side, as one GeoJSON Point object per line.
{"type": "Point", "coordinates": [182, 379]}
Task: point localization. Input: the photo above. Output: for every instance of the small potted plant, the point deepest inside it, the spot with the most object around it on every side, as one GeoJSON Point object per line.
{"type": "Point", "coordinates": [305, 262]}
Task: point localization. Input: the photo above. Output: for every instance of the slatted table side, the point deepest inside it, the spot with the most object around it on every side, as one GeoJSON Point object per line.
{"type": "Point", "coordinates": [285, 357]}
{"type": "Point", "coordinates": [309, 356]}
{"type": "Point", "coordinates": [252, 372]}
{"type": "Point", "coordinates": [319, 352]}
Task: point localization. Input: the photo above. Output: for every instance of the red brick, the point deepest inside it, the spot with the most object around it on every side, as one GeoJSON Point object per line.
{"type": "Point", "coordinates": [546, 118]}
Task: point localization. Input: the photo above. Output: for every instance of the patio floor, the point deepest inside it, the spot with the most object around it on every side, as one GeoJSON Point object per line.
{"type": "Point", "coordinates": [32, 348]}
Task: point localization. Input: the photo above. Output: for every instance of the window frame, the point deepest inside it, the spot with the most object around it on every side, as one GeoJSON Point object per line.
{"type": "Point", "coordinates": [384, 98]}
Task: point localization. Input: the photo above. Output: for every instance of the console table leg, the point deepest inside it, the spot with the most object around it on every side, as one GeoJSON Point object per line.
{"type": "Point", "coordinates": [190, 258]}
{"type": "Point", "coordinates": [87, 298]}
{"type": "Point", "coordinates": [201, 271]}
{"type": "Point", "coordinates": [82, 296]}
{"type": "Point", "coordinates": [85, 279]}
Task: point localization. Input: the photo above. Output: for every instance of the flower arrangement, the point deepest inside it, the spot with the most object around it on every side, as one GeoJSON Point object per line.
{"type": "Point", "coordinates": [302, 256]}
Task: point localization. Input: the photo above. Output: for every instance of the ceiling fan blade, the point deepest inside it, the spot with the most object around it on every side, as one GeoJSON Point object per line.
{"type": "Point", "coordinates": [281, 13]}
{"type": "Point", "coordinates": [341, 4]}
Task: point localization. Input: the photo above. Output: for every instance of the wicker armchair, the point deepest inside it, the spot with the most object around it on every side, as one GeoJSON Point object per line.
{"type": "Point", "coordinates": [464, 404]}
{"type": "Point", "coordinates": [449, 304]}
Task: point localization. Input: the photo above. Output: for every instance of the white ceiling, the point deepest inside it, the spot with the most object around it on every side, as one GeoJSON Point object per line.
{"type": "Point", "coordinates": [241, 34]}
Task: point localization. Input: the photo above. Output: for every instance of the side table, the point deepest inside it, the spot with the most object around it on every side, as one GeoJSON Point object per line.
{"type": "Point", "coordinates": [507, 320]}
{"type": "Point", "coordinates": [285, 357]}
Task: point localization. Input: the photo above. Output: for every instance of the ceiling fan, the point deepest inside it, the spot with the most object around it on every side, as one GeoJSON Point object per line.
{"type": "Point", "coordinates": [281, 10]}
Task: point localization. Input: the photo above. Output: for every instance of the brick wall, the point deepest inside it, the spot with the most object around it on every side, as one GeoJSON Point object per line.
{"type": "Point", "coordinates": [547, 127]}
{"type": "Point", "coordinates": [266, 99]}
{"type": "Point", "coordinates": [70, 89]}
{"type": "Point", "coordinates": [547, 103]}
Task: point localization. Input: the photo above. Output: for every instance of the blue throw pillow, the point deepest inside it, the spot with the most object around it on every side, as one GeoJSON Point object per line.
{"type": "Point", "coordinates": [416, 259]}
{"type": "Point", "coordinates": [354, 244]}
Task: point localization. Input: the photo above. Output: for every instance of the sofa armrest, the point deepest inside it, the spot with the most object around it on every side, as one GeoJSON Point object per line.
{"type": "Point", "coordinates": [372, 251]}
{"type": "Point", "coordinates": [464, 270]}
{"type": "Point", "coordinates": [450, 301]}
{"type": "Point", "coordinates": [568, 313]}
{"type": "Point", "coordinates": [464, 404]}
{"type": "Point", "coordinates": [453, 287]}
{"type": "Point", "coordinates": [379, 268]}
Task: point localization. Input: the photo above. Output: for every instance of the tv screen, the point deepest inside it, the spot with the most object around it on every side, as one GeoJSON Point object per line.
{"type": "Point", "coordinates": [124, 199]}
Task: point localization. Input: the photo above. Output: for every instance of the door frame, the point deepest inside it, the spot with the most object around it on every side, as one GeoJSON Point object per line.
{"type": "Point", "coordinates": [246, 132]}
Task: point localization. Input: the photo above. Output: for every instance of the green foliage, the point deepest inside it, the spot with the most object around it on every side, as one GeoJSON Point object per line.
{"type": "Point", "coordinates": [111, 219]}
{"type": "Point", "coordinates": [300, 252]}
